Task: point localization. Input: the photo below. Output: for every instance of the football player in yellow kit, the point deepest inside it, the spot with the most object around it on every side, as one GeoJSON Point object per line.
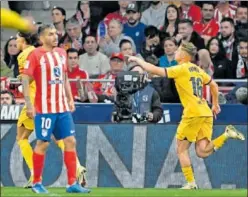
{"type": "Point", "coordinates": [25, 125]}
{"type": "Point", "coordinates": [197, 119]}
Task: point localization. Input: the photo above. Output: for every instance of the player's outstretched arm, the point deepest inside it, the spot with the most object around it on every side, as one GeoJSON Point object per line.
{"type": "Point", "coordinates": [215, 97]}
{"type": "Point", "coordinates": [10, 19]}
{"type": "Point", "coordinates": [147, 66]}
{"type": "Point", "coordinates": [25, 83]}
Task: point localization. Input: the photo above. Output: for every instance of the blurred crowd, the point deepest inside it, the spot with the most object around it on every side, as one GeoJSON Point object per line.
{"type": "Point", "coordinates": [97, 39]}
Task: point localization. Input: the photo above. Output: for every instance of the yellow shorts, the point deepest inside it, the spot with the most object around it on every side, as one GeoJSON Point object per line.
{"type": "Point", "coordinates": [195, 129]}
{"type": "Point", "coordinates": [25, 121]}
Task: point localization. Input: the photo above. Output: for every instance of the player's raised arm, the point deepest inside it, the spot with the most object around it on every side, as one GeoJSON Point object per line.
{"type": "Point", "coordinates": [11, 19]}
{"type": "Point", "coordinates": [147, 66]}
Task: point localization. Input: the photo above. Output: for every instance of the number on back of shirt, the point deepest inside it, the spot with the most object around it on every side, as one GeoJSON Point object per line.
{"type": "Point", "coordinates": [46, 123]}
{"type": "Point", "coordinates": [197, 86]}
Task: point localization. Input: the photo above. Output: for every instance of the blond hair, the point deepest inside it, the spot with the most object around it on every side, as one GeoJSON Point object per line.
{"type": "Point", "coordinates": [189, 48]}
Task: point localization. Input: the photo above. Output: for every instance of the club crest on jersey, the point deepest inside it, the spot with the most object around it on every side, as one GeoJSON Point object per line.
{"type": "Point", "coordinates": [57, 72]}
{"type": "Point", "coordinates": [145, 98]}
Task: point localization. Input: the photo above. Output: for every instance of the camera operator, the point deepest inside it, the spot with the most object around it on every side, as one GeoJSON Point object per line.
{"type": "Point", "coordinates": [147, 101]}
{"type": "Point", "coordinates": [143, 105]}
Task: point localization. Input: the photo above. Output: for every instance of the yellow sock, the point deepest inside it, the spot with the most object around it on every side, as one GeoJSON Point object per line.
{"type": "Point", "coordinates": [27, 153]}
{"type": "Point", "coordinates": [188, 174]}
{"type": "Point", "coordinates": [219, 141]}
{"type": "Point", "coordinates": [61, 145]}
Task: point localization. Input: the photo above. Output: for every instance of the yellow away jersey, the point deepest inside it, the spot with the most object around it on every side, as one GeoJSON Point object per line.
{"type": "Point", "coordinates": [189, 80]}
{"type": "Point", "coordinates": [22, 58]}
{"type": "Point", "coordinates": [10, 19]}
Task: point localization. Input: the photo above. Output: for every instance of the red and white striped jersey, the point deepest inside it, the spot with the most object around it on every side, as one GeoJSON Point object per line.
{"type": "Point", "coordinates": [218, 16]}
{"type": "Point", "coordinates": [48, 70]}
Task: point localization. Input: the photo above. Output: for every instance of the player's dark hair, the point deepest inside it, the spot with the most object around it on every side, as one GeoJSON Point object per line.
{"type": "Point", "coordinates": [71, 50]}
{"type": "Point", "coordinates": [187, 21]}
{"type": "Point", "coordinates": [151, 31]}
{"type": "Point", "coordinates": [124, 41]}
{"type": "Point", "coordinates": [9, 93]}
{"type": "Point", "coordinates": [44, 27]}
{"type": "Point", "coordinates": [228, 19]}
{"type": "Point", "coordinates": [31, 39]}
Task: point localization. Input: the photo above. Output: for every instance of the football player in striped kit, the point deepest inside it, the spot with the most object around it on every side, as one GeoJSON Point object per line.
{"type": "Point", "coordinates": [52, 108]}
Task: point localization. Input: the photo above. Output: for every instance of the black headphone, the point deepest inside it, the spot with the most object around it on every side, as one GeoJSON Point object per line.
{"type": "Point", "coordinates": [11, 94]}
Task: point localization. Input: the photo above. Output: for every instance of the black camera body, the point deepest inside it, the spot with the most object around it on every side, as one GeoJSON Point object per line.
{"type": "Point", "coordinates": [126, 84]}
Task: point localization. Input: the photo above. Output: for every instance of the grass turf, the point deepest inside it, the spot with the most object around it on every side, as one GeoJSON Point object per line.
{"type": "Point", "coordinates": [116, 192]}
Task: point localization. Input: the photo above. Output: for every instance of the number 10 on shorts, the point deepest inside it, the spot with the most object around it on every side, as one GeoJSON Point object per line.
{"type": "Point", "coordinates": [46, 123]}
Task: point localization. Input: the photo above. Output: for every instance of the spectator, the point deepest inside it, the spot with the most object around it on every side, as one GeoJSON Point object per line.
{"type": "Point", "coordinates": [127, 49]}
{"type": "Point", "coordinates": [221, 64]}
{"type": "Point", "coordinates": [5, 70]}
{"type": "Point", "coordinates": [170, 27]}
{"type": "Point", "coordinates": [186, 33]}
{"type": "Point", "coordinates": [10, 55]}
{"type": "Point", "coordinates": [74, 37]}
{"type": "Point", "coordinates": [147, 101]}
{"type": "Point", "coordinates": [74, 72]}
{"type": "Point", "coordinates": [59, 20]}
{"type": "Point", "coordinates": [168, 59]}
{"type": "Point", "coordinates": [83, 14]}
{"type": "Point", "coordinates": [107, 90]}
{"type": "Point", "coordinates": [224, 10]}
{"type": "Point", "coordinates": [118, 15]}
{"type": "Point", "coordinates": [188, 10]}
{"type": "Point", "coordinates": [242, 64]}
{"type": "Point", "coordinates": [208, 26]}
{"type": "Point", "coordinates": [7, 98]}
{"type": "Point", "coordinates": [241, 27]}
{"type": "Point", "coordinates": [227, 37]}
{"type": "Point", "coordinates": [151, 49]}
{"type": "Point", "coordinates": [93, 61]}
{"type": "Point", "coordinates": [110, 44]}
{"type": "Point", "coordinates": [134, 28]}
{"type": "Point", "coordinates": [154, 15]}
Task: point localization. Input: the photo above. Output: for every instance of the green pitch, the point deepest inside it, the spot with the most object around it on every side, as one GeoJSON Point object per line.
{"type": "Point", "coordinates": [116, 192]}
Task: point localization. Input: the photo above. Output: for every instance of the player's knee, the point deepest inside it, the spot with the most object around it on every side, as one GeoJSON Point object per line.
{"type": "Point", "coordinates": [200, 153]}
{"type": "Point", "coordinates": [41, 146]}
{"type": "Point", "coordinates": [70, 142]}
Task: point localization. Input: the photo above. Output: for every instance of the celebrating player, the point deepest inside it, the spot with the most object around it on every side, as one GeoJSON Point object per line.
{"type": "Point", "coordinates": [46, 65]}
{"type": "Point", "coordinates": [197, 120]}
{"type": "Point", "coordinates": [25, 125]}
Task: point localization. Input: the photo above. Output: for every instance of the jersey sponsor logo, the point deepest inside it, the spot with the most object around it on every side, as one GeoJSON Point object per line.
{"type": "Point", "coordinates": [52, 82]}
